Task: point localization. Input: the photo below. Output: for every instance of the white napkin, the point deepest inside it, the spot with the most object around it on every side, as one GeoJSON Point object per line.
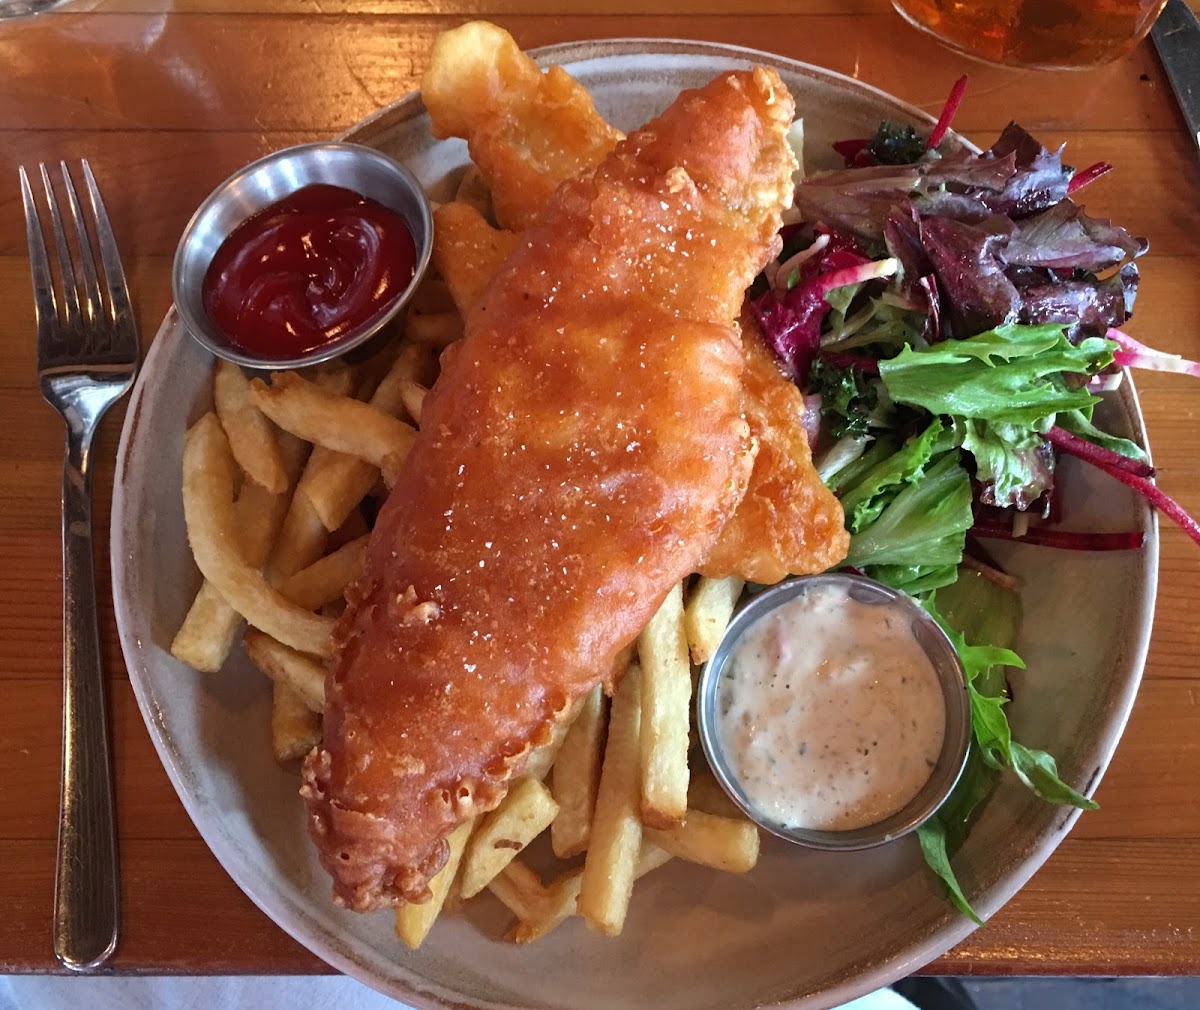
{"type": "Point", "coordinates": [253, 992]}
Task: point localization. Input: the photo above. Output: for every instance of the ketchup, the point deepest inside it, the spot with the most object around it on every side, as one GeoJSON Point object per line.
{"type": "Point", "coordinates": [306, 271]}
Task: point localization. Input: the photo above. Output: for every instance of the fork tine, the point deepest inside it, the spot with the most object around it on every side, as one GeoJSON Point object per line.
{"type": "Point", "coordinates": [70, 293]}
{"type": "Point", "coordinates": [93, 307]}
{"type": "Point", "coordinates": [44, 307]}
{"type": "Point", "coordinates": [114, 274]}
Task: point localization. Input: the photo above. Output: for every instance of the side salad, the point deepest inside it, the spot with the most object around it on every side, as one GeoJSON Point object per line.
{"type": "Point", "coordinates": [952, 319]}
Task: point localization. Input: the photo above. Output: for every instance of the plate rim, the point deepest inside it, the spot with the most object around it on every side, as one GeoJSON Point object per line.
{"type": "Point", "coordinates": [415, 989]}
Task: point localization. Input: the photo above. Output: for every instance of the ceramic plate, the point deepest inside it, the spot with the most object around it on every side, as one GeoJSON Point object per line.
{"type": "Point", "coordinates": [805, 929]}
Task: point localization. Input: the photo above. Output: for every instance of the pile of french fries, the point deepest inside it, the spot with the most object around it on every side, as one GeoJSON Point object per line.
{"type": "Point", "coordinates": [280, 482]}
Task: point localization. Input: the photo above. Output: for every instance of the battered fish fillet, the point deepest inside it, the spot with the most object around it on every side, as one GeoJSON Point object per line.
{"type": "Point", "coordinates": [527, 131]}
{"type": "Point", "coordinates": [578, 456]}
{"type": "Point", "coordinates": [788, 522]}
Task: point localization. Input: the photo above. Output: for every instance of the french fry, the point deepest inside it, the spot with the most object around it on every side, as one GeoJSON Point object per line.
{"type": "Point", "coordinates": [334, 377]}
{"type": "Point", "coordinates": [555, 906]}
{"type": "Point", "coordinates": [295, 727]}
{"type": "Point", "coordinates": [538, 918]}
{"type": "Point", "coordinates": [438, 330]}
{"type": "Point", "coordinates": [301, 673]}
{"type": "Point", "coordinates": [709, 608]}
{"type": "Point", "coordinates": [212, 532]}
{"type": "Point", "coordinates": [326, 580]}
{"type": "Point", "coordinates": [413, 394]}
{"type": "Point", "coordinates": [338, 423]}
{"type": "Point", "coordinates": [650, 858]}
{"type": "Point", "coordinates": [468, 251]}
{"type": "Point", "coordinates": [251, 435]}
{"type": "Point", "coordinates": [705, 793]}
{"type": "Point", "coordinates": [521, 890]}
{"type": "Point", "coordinates": [303, 535]}
{"type": "Point", "coordinates": [522, 815]}
{"type": "Point", "coordinates": [666, 714]}
{"type": "Point", "coordinates": [207, 634]}
{"type": "Point", "coordinates": [334, 484]}
{"type": "Point", "coordinates": [355, 526]}
{"type": "Point", "coordinates": [413, 922]}
{"type": "Point", "coordinates": [542, 759]}
{"type": "Point", "coordinates": [608, 872]}
{"type": "Point", "coordinates": [206, 637]}
{"type": "Point", "coordinates": [577, 777]}
{"type": "Point", "coordinates": [724, 843]}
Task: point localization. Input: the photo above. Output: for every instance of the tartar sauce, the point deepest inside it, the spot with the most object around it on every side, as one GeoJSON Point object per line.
{"type": "Point", "coordinates": [831, 715]}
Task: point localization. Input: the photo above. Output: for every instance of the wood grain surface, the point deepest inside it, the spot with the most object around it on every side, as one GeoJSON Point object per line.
{"type": "Point", "coordinates": [166, 99]}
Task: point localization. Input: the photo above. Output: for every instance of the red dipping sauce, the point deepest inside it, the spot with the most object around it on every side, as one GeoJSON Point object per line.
{"type": "Point", "coordinates": [307, 271]}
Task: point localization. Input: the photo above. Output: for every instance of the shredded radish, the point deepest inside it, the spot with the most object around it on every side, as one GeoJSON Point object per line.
{"type": "Point", "coordinates": [1088, 175]}
{"type": "Point", "coordinates": [1105, 383]}
{"type": "Point", "coordinates": [1128, 475]}
{"type": "Point", "coordinates": [1106, 459]}
{"type": "Point", "coordinates": [1038, 536]}
{"type": "Point", "coordinates": [1136, 355]}
{"type": "Point", "coordinates": [948, 111]}
{"type": "Point", "coordinates": [1159, 499]}
{"type": "Point", "coordinates": [783, 271]}
{"type": "Point", "coordinates": [869, 271]}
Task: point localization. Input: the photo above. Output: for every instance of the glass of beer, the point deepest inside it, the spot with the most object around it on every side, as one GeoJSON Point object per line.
{"type": "Point", "coordinates": [1043, 34]}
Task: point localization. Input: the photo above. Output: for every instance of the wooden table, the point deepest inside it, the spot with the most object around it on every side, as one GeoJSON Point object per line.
{"type": "Point", "coordinates": [166, 104]}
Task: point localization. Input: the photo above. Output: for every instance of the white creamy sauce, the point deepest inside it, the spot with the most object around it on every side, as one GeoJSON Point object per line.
{"type": "Point", "coordinates": [831, 715]}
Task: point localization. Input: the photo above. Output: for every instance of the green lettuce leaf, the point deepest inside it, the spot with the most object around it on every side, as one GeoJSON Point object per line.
{"type": "Point", "coordinates": [982, 611]}
{"type": "Point", "coordinates": [932, 836]}
{"type": "Point", "coordinates": [847, 478]}
{"type": "Point", "coordinates": [925, 524]}
{"type": "Point", "coordinates": [914, 579]}
{"type": "Point", "coordinates": [866, 500]}
{"type": "Point", "coordinates": [1013, 463]}
{"type": "Point", "coordinates": [1012, 374]}
{"type": "Point", "coordinates": [1076, 422]}
{"type": "Point", "coordinates": [993, 613]}
{"type": "Point", "coordinates": [879, 323]}
{"type": "Point", "coordinates": [1039, 772]}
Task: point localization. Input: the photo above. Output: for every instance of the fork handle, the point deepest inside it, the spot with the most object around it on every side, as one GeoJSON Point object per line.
{"type": "Point", "coordinates": [86, 885]}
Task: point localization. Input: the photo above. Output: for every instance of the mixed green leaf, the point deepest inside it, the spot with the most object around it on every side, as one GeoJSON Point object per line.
{"type": "Point", "coordinates": [956, 314]}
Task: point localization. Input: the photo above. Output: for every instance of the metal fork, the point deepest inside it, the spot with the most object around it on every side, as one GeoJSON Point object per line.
{"type": "Point", "coordinates": [87, 359]}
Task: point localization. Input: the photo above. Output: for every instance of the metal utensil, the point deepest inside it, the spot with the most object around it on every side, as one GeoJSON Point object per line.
{"type": "Point", "coordinates": [87, 359]}
{"type": "Point", "coordinates": [1176, 36]}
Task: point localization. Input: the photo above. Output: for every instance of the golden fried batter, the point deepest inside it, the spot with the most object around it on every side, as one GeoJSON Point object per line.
{"type": "Point", "coordinates": [467, 251]}
{"type": "Point", "coordinates": [527, 131]}
{"type": "Point", "coordinates": [788, 523]}
{"type": "Point", "coordinates": [577, 457]}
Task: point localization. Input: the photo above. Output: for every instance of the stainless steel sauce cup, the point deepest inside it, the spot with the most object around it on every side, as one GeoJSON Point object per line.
{"type": "Point", "coordinates": [946, 663]}
{"type": "Point", "coordinates": [362, 170]}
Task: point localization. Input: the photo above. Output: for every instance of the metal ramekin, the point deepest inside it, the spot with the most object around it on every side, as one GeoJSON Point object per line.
{"type": "Point", "coordinates": [945, 661]}
{"type": "Point", "coordinates": [254, 188]}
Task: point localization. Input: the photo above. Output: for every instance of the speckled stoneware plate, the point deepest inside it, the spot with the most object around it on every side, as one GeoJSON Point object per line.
{"type": "Point", "coordinates": [805, 929]}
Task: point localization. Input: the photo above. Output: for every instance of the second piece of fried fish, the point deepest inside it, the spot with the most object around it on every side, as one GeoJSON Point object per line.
{"type": "Point", "coordinates": [578, 456]}
{"type": "Point", "coordinates": [788, 523]}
